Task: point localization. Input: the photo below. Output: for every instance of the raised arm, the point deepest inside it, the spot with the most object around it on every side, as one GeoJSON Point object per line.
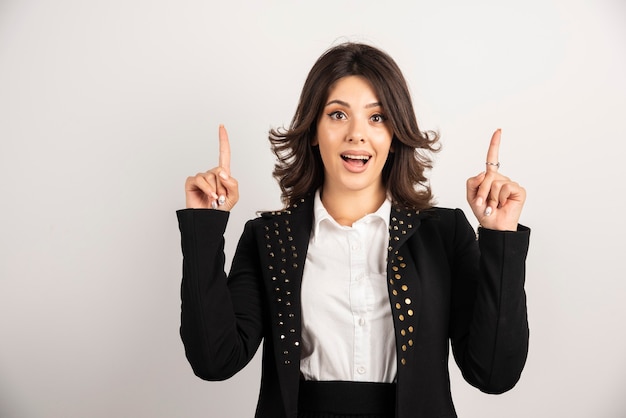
{"type": "Point", "coordinates": [489, 325]}
{"type": "Point", "coordinates": [221, 317]}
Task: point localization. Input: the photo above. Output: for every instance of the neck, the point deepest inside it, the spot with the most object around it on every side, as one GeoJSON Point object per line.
{"type": "Point", "coordinates": [348, 207]}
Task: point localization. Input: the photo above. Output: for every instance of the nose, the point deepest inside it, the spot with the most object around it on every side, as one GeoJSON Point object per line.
{"type": "Point", "coordinates": [356, 132]}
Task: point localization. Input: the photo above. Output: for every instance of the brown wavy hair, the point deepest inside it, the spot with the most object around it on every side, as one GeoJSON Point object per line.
{"type": "Point", "coordinates": [299, 169]}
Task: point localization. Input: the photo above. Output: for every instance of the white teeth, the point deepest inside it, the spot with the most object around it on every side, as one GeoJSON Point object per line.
{"type": "Point", "coordinates": [356, 157]}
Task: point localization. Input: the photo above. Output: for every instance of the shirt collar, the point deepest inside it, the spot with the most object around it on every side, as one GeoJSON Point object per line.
{"type": "Point", "coordinates": [320, 214]}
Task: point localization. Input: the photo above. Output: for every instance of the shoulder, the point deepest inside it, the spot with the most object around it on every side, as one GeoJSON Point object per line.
{"type": "Point", "coordinates": [296, 213]}
{"type": "Point", "coordinates": [448, 215]}
{"type": "Point", "coordinates": [301, 204]}
{"type": "Point", "coordinates": [449, 223]}
{"type": "Point", "coordinates": [441, 217]}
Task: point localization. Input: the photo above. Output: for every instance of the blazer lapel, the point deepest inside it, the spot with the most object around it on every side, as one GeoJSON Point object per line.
{"type": "Point", "coordinates": [403, 283]}
{"type": "Point", "coordinates": [283, 245]}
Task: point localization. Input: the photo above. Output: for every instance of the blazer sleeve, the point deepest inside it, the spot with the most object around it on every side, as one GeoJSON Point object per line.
{"type": "Point", "coordinates": [221, 317]}
{"type": "Point", "coordinates": [489, 325]}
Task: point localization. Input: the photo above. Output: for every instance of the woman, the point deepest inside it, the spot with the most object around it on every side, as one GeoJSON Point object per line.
{"type": "Point", "coordinates": [358, 285]}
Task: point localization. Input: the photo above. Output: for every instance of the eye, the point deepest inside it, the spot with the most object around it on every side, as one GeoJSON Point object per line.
{"type": "Point", "coordinates": [337, 115]}
{"type": "Point", "coordinates": [378, 118]}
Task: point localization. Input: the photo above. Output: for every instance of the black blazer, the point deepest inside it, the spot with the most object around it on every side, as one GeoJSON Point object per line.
{"type": "Point", "coordinates": [444, 285]}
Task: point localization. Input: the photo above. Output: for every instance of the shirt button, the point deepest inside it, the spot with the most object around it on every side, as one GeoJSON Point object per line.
{"type": "Point", "coordinates": [361, 370]}
{"type": "Point", "coordinates": [361, 321]}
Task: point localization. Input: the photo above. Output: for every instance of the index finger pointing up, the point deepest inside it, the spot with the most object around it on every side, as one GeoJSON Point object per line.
{"type": "Point", "coordinates": [224, 150]}
{"type": "Point", "coordinates": [492, 155]}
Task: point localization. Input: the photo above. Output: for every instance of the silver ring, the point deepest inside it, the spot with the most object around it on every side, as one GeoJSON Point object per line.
{"type": "Point", "coordinates": [496, 165]}
{"type": "Point", "coordinates": [221, 200]}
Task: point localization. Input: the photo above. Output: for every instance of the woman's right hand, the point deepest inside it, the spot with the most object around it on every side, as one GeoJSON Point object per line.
{"type": "Point", "coordinates": [214, 189]}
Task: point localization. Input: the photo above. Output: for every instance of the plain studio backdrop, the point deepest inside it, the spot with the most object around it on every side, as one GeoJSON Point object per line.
{"type": "Point", "coordinates": [107, 106]}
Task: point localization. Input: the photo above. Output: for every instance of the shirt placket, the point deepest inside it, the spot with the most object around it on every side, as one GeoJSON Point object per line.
{"type": "Point", "coordinates": [360, 305]}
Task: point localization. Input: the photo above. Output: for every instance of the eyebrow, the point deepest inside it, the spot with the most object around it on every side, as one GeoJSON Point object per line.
{"type": "Point", "coordinates": [342, 103]}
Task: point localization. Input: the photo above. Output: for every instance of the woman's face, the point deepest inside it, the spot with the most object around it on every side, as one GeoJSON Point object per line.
{"type": "Point", "coordinates": [354, 137]}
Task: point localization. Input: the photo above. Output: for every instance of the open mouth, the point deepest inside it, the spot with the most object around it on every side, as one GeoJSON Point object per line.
{"type": "Point", "coordinates": [359, 160]}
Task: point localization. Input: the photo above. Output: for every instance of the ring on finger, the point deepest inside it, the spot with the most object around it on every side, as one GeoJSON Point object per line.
{"type": "Point", "coordinates": [496, 165]}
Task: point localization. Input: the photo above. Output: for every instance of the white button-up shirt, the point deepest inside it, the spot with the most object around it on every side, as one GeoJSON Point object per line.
{"type": "Point", "coordinates": [347, 326]}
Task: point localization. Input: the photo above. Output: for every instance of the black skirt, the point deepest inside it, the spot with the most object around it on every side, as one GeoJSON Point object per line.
{"type": "Point", "coordinates": [346, 400]}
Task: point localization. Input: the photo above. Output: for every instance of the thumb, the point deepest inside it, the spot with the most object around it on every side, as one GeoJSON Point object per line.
{"type": "Point", "coordinates": [473, 184]}
{"type": "Point", "coordinates": [231, 188]}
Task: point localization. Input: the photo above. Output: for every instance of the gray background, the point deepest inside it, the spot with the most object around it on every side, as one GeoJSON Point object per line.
{"type": "Point", "coordinates": [107, 106]}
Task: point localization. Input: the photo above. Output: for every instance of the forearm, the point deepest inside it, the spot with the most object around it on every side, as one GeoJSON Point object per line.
{"type": "Point", "coordinates": [489, 327]}
{"type": "Point", "coordinates": [499, 330]}
{"type": "Point", "coordinates": [217, 345]}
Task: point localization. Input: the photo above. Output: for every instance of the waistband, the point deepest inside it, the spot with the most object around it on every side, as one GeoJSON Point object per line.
{"type": "Point", "coordinates": [337, 399]}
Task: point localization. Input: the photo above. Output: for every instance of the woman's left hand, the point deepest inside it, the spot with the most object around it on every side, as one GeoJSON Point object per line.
{"type": "Point", "coordinates": [495, 199]}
